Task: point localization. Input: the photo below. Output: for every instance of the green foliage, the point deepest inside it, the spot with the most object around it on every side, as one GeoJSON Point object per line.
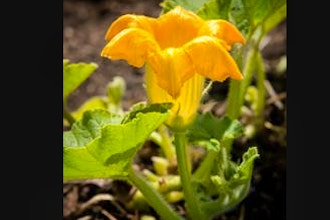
{"type": "Point", "coordinates": [275, 18]}
{"type": "Point", "coordinates": [92, 103]}
{"type": "Point", "coordinates": [116, 90]}
{"type": "Point", "coordinates": [79, 164]}
{"type": "Point", "coordinates": [89, 127]}
{"type": "Point", "coordinates": [259, 11]}
{"type": "Point", "coordinates": [247, 15]}
{"type": "Point", "coordinates": [231, 183]}
{"type": "Point", "coordinates": [143, 107]}
{"type": "Point", "coordinates": [192, 5]}
{"type": "Point", "coordinates": [101, 145]}
{"type": "Point", "coordinates": [210, 131]}
{"type": "Point", "coordinates": [239, 16]}
{"type": "Point", "coordinates": [219, 182]}
{"type": "Point", "coordinates": [215, 9]}
{"type": "Point", "coordinates": [75, 74]}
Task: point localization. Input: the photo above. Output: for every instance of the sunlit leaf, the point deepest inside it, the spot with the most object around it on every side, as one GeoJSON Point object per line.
{"type": "Point", "coordinates": [143, 107]}
{"type": "Point", "coordinates": [95, 102]}
{"type": "Point", "coordinates": [79, 164]}
{"type": "Point", "coordinates": [89, 127]}
{"type": "Point", "coordinates": [102, 145]}
{"type": "Point", "coordinates": [118, 141]}
{"type": "Point", "coordinates": [75, 74]}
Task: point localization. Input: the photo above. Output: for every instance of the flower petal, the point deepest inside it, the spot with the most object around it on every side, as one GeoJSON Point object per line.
{"type": "Point", "coordinates": [172, 67]}
{"type": "Point", "coordinates": [211, 59]}
{"type": "Point", "coordinates": [177, 27]}
{"type": "Point", "coordinates": [133, 45]}
{"type": "Point", "coordinates": [223, 30]}
{"type": "Point", "coordinates": [130, 21]}
{"type": "Point", "coordinates": [185, 105]}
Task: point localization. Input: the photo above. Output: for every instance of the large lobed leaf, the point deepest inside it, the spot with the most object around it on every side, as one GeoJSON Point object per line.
{"type": "Point", "coordinates": [102, 145]}
{"type": "Point", "coordinates": [89, 127]}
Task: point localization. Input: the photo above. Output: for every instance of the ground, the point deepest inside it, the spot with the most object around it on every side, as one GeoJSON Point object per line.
{"type": "Point", "coordinates": [84, 25]}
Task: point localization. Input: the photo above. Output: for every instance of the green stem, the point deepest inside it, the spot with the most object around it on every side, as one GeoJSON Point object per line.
{"type": "Point", "coordinates": [166, 145]}
{"type": "Point", "coordinates": [220, 205]}
{"type": "Point", "coordinates": [154, 199]}
{"type": "Point", "coordinates": [261, 76]}
{"type": "Point", "coordinates": [203, 171]}
{"type": "Point", "coordinates": [184, 167]}
{"type": "Point", "coordinates": [237, 89]}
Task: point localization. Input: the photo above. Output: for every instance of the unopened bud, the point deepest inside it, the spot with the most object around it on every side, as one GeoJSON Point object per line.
{"type": "Point", "coordinates": [116, 89]}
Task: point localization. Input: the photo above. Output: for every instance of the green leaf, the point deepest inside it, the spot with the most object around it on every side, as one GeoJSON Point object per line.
{"type": "Point", "coordinates": [232, 189]}
{"type": "Point", "coordinates": [207, 128]}
{"type": "Point", "coordinates": [78, 164]}
{"type": "Point", "coordinates": [238, 14]}
{"type": "Point", "coordinates": [74, 75]}
{"type": "Point", "coordinates": [102, 145]}
{"type": "Point", "coordinates": [215, 9]}
{"type": "Point", "coordinates": [275, 18]}
{"type": "Point", "coordinates": [124, 139]}
{"type": "Point", "coordinates": [92, 103]}
{"type": "Point", "coordinates": [192, 5]}
{"type": "Point", "coordinates": [143, 107]}
{"type": "Point", "coordinates": [244, 170]}
{"type": "Point", "coordinates": [89, 127]}
{"type": "Point", "coordinates": [247, 15]}
{"type": "Point", "coordinates": [258, 11]}
{"type": "Point", "coordinates": [233, 130]}
{"type": "Point", "coordinates": [210, 144]}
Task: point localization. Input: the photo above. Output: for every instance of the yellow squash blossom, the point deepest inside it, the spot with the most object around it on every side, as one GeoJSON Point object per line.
{"type": "Point", "coordinates": [180, 50]}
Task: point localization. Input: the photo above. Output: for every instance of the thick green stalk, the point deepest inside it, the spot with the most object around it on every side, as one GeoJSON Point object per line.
{"type": "Point", "coordinates": [237, 88]}
{"type": "Point", "coordinates": [154, 199]}
{"type": "Point", "coordinates": [184, 167]}
{"type": "Point", "coordinates": [261, 76]}
{"type": "Point", "coordinates": [203, 171]}
{"type": "Point", "coordinates": [166, 145]}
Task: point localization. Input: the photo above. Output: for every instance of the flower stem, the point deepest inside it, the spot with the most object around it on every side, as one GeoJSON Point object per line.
{"type": "Point", "coordinates": [184, 167]}
{"type": "Point", "coordinates": [261, 76]}
{"type": "Point", "coordinates": [237, 89]}
{"type": "Point", "coordinates": [166, 145]}
{"type": "Point", "coordinates": [154, 199]}
{"type": "Point", "coordinates": [203, 171]}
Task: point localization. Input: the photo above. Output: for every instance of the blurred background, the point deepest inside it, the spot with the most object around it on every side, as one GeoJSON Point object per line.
{"type": "Point", "coordinates": [85, 23]}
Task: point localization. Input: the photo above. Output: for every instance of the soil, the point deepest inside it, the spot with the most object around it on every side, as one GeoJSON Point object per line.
{"type": "Point", "coordinates": [84, 25]}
